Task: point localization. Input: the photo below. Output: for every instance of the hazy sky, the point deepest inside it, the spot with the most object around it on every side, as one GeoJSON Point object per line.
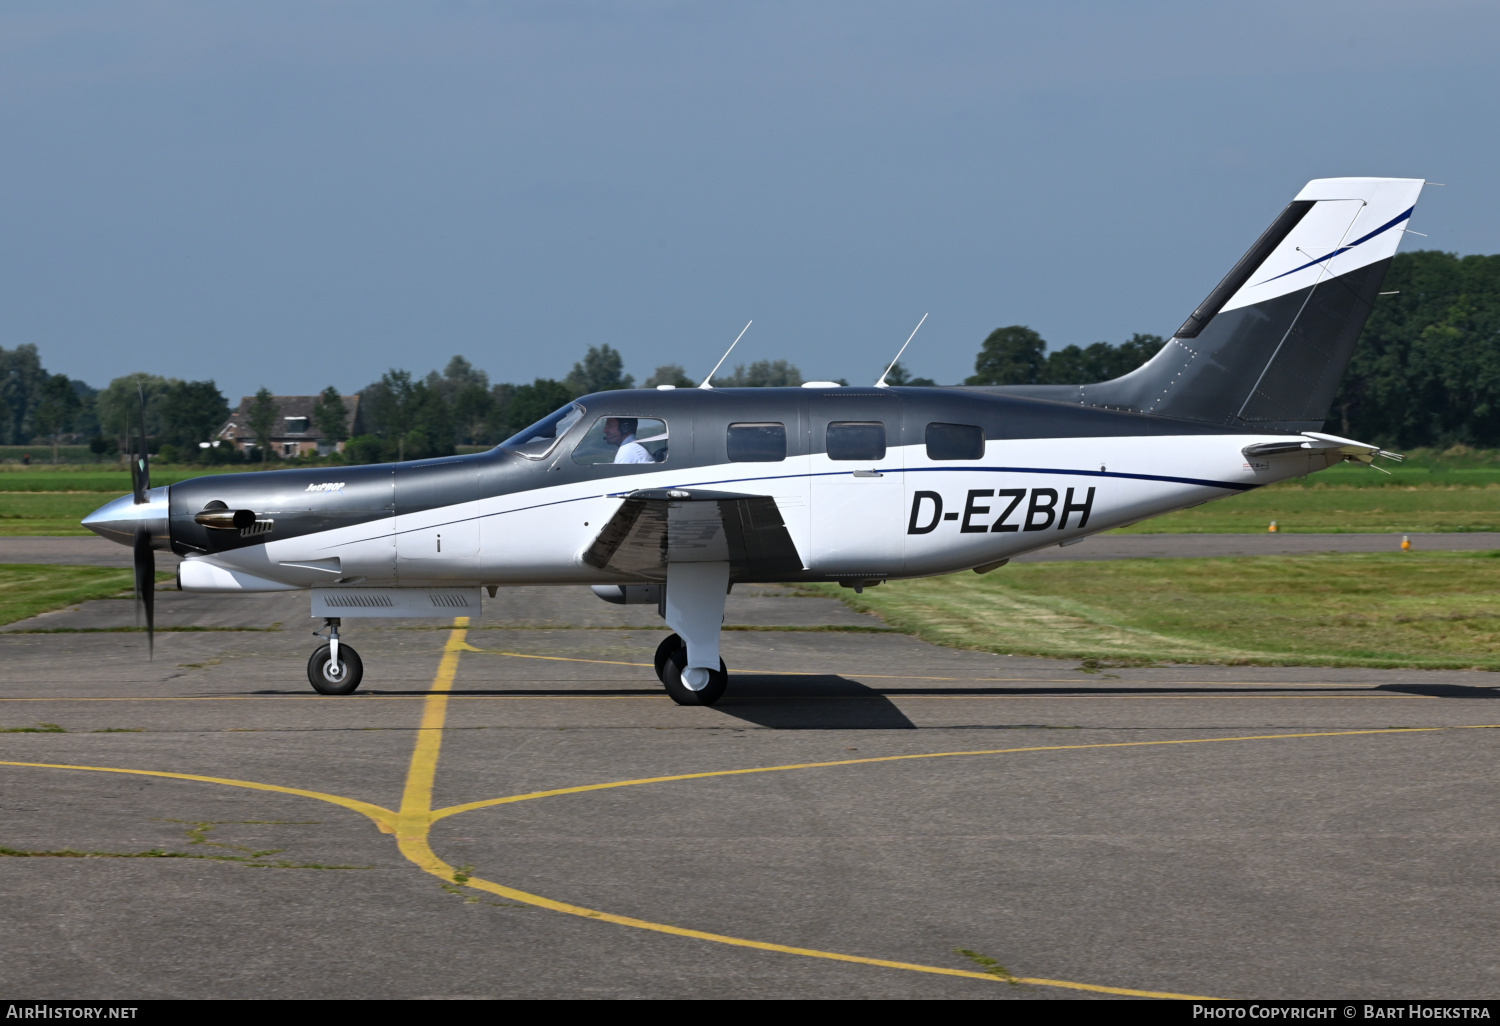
{"type": "Point", "coordinates": [301, 194]}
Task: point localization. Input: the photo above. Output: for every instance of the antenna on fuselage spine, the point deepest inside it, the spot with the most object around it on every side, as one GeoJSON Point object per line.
{"type": "Point", "coordinates": [881, 383]}
{"type": "Point", "coordinates": [725, 356]}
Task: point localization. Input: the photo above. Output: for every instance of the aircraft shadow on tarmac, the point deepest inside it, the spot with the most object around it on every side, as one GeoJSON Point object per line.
{"type": "Point", "coordinates": [801, 703]}
{"type": "Point", "coordinates": [831, 702]}
{"type": "Point", "coordinates": [1441, 690]}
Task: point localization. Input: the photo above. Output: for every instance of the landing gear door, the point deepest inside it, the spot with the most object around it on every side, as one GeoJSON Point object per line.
{"type": "Point", "coordinates": [437, 516]}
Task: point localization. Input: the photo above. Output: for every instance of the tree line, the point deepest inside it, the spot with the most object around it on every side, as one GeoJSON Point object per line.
{"type": "Point", "coordinates": [404, 417]}
{"type": "Point", "coordinates": [1426, 372]}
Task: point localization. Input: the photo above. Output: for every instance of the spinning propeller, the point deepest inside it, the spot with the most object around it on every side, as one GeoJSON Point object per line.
{"type": "Point", "coordinates": [145, 560]}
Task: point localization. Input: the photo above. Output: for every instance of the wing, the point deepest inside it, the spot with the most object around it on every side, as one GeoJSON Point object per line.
{"type": "Point", "coordinates": [653, 528]}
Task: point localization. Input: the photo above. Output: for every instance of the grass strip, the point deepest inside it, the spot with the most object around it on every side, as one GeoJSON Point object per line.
{"type": "Point", "coordinates": [1432, 610]}
{"type": "Point", "coordinates": [27, 589]}
{"type": "Point", "coordinates": [1336, 510]}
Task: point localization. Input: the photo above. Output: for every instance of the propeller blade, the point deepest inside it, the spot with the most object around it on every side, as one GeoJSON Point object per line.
{"type": "Point", "coordinates": [138, 493]}
{"type": "Point", "coordinates": [141, 471]}
{"type": "Point", "coordinates": [145, 586]}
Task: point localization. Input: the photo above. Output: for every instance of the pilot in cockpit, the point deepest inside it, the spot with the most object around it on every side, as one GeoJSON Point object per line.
{"type": "Point", "coordinates": [620, 432]}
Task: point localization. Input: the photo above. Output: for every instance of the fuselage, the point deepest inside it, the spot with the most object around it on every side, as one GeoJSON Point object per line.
{"type": "Point", "coordinates": [871, 484]}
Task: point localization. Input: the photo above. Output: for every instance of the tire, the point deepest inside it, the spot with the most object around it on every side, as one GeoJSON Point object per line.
{"type": "Point", "coordinates": [670, 644]}
{"type": "Point", "coordinates": [684, 695]}
{"type": "Point", "coordinates": [352, 671]}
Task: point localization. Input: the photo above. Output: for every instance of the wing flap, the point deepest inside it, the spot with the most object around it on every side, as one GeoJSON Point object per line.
{"type": "Point", "coordinates": [651, 529]}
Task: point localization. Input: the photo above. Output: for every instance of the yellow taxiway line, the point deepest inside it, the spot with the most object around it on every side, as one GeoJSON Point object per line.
{"type": "Point", "coordinates": [412, 822]}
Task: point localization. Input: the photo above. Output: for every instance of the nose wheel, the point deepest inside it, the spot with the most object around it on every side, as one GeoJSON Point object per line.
{"type": "Point", "coordinates": [682, 688]}
{"type": "Point", "coordinates": [335, 668]}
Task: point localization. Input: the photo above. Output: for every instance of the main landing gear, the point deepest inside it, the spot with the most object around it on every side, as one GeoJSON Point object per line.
{"type": "Point", "coordinates": [335, 668]}
{"type": "Point", "coordinates": [694, 609]}
{"type": "Point", "coordinates": [672, 670]}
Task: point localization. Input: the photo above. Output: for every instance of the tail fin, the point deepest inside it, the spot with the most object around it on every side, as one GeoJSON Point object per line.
{"type": "Point", "coordinates": [1269, 345]}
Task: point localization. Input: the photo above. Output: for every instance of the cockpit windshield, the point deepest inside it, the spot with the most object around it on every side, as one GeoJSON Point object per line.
{"type": "Point", "coordinates": [538, 440]}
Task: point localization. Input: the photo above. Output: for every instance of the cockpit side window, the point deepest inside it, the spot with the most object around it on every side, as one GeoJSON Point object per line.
{"type": "Point", "coordinates": [639, 440]}
{"type": "Point", "coordinates": [537, 441]}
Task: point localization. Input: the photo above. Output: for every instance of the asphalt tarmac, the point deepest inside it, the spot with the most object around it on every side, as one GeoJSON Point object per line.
{"type": "Point", "coordinates": [515, 809]}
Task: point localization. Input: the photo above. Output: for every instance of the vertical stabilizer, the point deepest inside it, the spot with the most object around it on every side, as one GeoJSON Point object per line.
{"type": "Point", "coordinates": [1269, 345]}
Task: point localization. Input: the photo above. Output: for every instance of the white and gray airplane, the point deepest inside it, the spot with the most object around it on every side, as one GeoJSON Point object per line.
{"type": "Point", "coordinates": [671, 496]}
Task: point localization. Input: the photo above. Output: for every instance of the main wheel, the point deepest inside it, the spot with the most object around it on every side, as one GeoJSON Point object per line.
{"type": "Point", "coordinates": [680, 693]}
{"type": "Point", "coordinates": [669, 644]}
{"type": "Point", "coordinates": [328, 679]}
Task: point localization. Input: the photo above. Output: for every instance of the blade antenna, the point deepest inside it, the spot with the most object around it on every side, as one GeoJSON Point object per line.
{"type": "Point", "coordinates": [881, 383]}
{"type": "Point", "coordinates": [725, 356]}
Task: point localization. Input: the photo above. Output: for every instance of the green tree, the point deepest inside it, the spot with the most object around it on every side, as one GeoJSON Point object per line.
{"type": "Point", "coordinates": [458, 375]}
{"type": "Point", "coordinates": [598, 371]}
{"type": "Point", "coordinates": [56, 409]}
{"type": "Point", "coordinates": [191, 412]}
{"type": "Point", "coordinates": [390, 407]}
{"type": "Point", "coordinates": [364, 449]}
{"type": "Point", "coordinates": [470, 407]}
{"type": "Point", "coordinates": [899, 375]}
{"type": "Point", "coordinates": [1010, 356]}
{"type": "Point", "coordinates": [1134, 352]}
{"type": "Point", "coordinates": [669, 374]}
{"type": "Point", "coordinates": [497, 422]}
{"type": "Point", "coordinates": [1426, 370]}
{"type": "Point", "coordinates": [86, 420]}
{"type": "Point", "coordinates": [331, 417]}
{"type": "Point", "coordinates": [431, 432]}
{"type": "Point", "coordinates": [762, 374]}
{"type": "Point", "coordinates": [530, 403]}
{"type": "Point", "coordinates": [22, 379]}
{"type": "Point", "coordinates": [264, 415]}
{"type": "Point", "coordinates": [1072, 365]}
{"type": "Point", "coordinates": [118, 407]}
{"type": "Point", "coordinates": [1075, 365]}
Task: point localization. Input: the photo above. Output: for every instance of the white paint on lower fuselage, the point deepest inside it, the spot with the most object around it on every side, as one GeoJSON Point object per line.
{"type": "Point", "coordinates": [537, 536]}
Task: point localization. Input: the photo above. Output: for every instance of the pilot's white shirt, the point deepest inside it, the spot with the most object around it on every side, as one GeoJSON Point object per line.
{"type": "Point", "coordinates": [632, 451]}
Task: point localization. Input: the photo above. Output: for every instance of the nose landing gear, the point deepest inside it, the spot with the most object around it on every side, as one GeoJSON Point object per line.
{"type": "Point", "coordinates": [335, 668]}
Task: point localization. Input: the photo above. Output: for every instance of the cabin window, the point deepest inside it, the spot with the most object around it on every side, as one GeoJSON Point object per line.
{"type": "Point", "coordinates": [623, 440]}
{"type": "Point", "coordinates": [856, 440]}
{"type": "Point", "coordinates": [757, 443]}
{"type": "Point", "coordinates": [955, 442]}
